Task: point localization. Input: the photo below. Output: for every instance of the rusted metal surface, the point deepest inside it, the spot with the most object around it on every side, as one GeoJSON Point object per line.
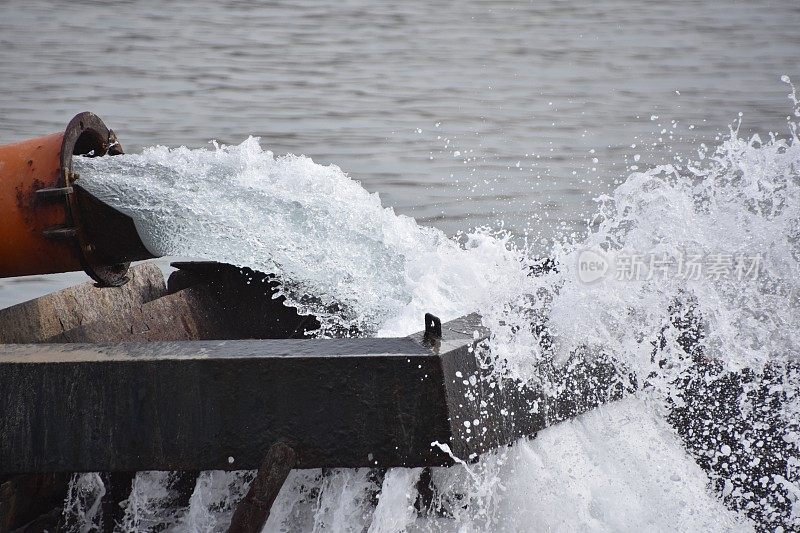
{"type": "Point", "coordinates": [253, 511]}
{"type": "Point", "coordinates": [44, 227]}
{"type": "Point", "coordinates": [102, 234]}
{"type": "Point", "coordinates": [51, 315]}
{"type": "Point", "coordinates": [26, 167]}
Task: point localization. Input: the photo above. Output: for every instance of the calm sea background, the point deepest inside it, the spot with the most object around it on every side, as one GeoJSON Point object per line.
{"type": "Point", "coordinates": [509, 114]}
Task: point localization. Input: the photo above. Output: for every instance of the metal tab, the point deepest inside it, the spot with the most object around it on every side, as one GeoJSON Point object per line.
{"type": "Point", "coordinates": [53, 193]}
{"type": "Point", "coordinates": [60, 232]}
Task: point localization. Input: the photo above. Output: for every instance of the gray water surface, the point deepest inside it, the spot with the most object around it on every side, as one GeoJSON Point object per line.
{"type": "Point", "coordinates": [459, 113]}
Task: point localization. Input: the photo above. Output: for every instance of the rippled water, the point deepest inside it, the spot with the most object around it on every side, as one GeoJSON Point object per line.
{"type": "Point", "coordinates": [521, 91]}
{"type": "Point", "coordinates": [353, 82]}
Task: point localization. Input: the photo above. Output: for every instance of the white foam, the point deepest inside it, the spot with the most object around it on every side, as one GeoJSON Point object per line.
{"type": "Point", "coordinates": [353, 262]}
{"type": "Point", "coordinates": [320, 230]}
{"type": "Point", "coordinates": [619, 468]}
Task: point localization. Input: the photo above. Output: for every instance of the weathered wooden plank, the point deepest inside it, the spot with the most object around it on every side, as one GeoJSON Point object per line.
{"type": "Point", "coordinates": [219, 302]}
{"type": "Point", "coordinates": [253, 511]}
{"type": "Point", "coordinates": [182, 316]}
{"type": "Point", "coordinates": [37, 320]}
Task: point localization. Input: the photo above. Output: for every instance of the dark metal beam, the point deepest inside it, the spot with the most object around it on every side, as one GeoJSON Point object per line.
{"type": "Point", "coordinates": [221, 404]}
{"type": "Point", "coordinates": [38, 320]}
{"type": "Point", "coordinates": [205, 405]}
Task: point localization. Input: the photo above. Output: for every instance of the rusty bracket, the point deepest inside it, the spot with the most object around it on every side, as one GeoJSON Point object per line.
{"type": "Point", "coordinates": [54, 195]}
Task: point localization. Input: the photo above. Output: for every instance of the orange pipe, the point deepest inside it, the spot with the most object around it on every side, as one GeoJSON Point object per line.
{"type": "Point", "coordinates": [26, 167]}
{"type": "Point", "coordinates": [42, 230]}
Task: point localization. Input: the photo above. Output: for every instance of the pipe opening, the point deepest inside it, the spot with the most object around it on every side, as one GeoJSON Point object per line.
{"type": "Point", "coordinates": [89, 143]}
{"type": "Point", "coordinates": [86, 135]}
{"type": "Point", "coordinates": [98, 226]}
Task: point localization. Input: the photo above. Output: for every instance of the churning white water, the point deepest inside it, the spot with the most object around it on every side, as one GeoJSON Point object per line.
{"type": "Point", "coordinates": [709, 246]}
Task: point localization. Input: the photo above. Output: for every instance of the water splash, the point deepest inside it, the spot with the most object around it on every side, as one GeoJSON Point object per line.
{"type": "Point", "coordinates": [82, 511]}
{"type": "Point", "coordinates": [709, 354]}
{"type": "Point", "coordinates": [341, 255]}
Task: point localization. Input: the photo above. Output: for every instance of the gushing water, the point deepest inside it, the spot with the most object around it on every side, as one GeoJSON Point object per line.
{"type": "Point", "coordinates": [708, 442]}
{"type": "Point", "coordinates": [331, 242]}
